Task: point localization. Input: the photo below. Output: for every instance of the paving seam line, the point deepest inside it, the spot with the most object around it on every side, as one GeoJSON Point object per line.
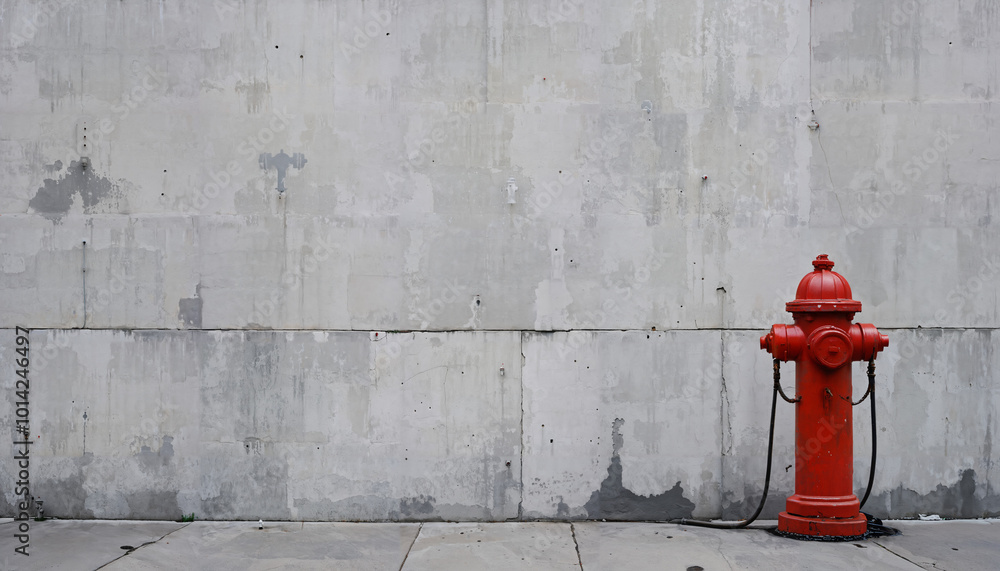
{"type": "Point", "coordinates": [900, 556]}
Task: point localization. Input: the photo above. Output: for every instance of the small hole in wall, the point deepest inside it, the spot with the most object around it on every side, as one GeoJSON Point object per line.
{"type": "Point", "coordinates": [275, 47]}
{"type": "Point", "coordinates": [301, 56]}
{"type": "Point", "coordinates": [551, 441]}
{"type": "Point", "coordinates": [387, 33]}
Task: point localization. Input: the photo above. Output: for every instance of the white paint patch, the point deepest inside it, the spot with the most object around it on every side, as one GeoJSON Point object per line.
{"type": "Point", "coordinates": [12, 264]}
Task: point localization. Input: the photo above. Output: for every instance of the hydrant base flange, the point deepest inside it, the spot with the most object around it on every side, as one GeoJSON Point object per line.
{"type": "Point", "coordinates": [823, 526]}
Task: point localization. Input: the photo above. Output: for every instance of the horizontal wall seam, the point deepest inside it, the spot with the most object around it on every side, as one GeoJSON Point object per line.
{"type": "Point", "coordinates": [733, 329]}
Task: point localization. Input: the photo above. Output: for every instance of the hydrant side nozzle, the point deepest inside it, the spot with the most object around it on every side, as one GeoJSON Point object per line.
{"type": "Point", "coordinates": [868, 341]}
{"type": "Point", "coordinates": [784, 342]}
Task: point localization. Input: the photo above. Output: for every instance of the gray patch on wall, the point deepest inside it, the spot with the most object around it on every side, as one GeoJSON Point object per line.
{"type": "Point", "coordinates": [356, 508]}
{"type": "Point", "coordinates": [248, 488]}
{"type": "Point", "coordinates": [504, 481]}
{"type": "Point", "coordinates": [66, 497]}
{"type": "Point", "coordinates": [55, 197]}
{"type": "Point", "coordinates": [189, 309]}
{"type": "Point", "coordinates": [613, 501]}
{"type": "Point", "coordinates": [154, 505]}
{"type": "Point", "coordinates": [151, 461]}
{"type": "Point", "coordinates": [956, 501]}
{"type": "Point", "coordinates": [419, 506]}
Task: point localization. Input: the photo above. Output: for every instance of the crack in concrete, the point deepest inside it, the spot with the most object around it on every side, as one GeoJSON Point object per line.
{"type": "Point", "coordinates": [134, 549]}
{"type": "Point", "coordinates": [724, 405]}
{"type": "Point", "coordinates": [576, 544]}
{"type": "Point", "coordinates": [415, 536]}
{"type": "Point", "coordinates": [520, 502]}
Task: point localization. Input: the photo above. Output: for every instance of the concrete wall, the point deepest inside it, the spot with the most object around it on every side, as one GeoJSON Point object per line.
{"type": "Point", "coordinates": [390, 339]}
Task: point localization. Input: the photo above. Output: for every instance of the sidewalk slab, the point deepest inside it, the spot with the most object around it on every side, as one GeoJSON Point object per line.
{"type": "Point", "coordinates": [645, 546]}
{"type": "Point", "coordinates": [590, 546]}
{"type": "Point", "coordinates": [493, 546]}
{"type": "Point", "coordinates": [649, 546]}
{"type": "Point", "coordinates": [73, 545]}
{"type": "Point", "coordinates": [241, 546]}
{"type": "Point", "coordinates": [947, 545]}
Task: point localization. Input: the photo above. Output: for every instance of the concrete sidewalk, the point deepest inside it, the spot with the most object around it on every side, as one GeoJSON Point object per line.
{"type": "Point", "coordinates": [592, 546]}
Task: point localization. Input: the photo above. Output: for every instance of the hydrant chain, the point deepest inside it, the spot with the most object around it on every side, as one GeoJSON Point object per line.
{"type": "Point", "coordinates": [871, 382]}
{"type": "Point", "coordinates": [777, 383]}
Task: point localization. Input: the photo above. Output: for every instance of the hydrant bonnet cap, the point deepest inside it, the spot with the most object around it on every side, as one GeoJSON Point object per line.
{"type": "Point", "coordinates": [823, 290]}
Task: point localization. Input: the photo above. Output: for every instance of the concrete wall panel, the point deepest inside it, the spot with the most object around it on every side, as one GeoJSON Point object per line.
{"type": "Point", "coordinates": [279, 425]}
{"type": "Point", "coordinates": [617, 424]}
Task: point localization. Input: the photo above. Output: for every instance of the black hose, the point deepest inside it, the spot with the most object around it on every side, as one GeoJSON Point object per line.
{"type": "Point", "coordinates": [770, 447]}
{"type": "Point", "coordinates": [767, 480]}
{"type": "Point", "coordinates": [871, 472]}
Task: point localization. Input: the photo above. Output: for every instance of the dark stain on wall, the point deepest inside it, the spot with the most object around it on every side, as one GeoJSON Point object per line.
{"type": "Point", "coordinates": [613, 501]}
{"type": "Point", "coordinates": [416, 507]}
{"type": "Point", "coordinates": [958, 500]}
{"type": "Point", "coordinates": [751, 498]}
{"type": "Point", "coordinates": [55, 197]}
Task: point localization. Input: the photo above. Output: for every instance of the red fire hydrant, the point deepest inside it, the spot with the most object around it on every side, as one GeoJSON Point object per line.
{"type": "Point", "coordinates": [823, 342]}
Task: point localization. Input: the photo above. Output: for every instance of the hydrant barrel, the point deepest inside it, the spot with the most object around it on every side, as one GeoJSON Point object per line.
{"type": "Point", "coordinates": [823, 343]}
